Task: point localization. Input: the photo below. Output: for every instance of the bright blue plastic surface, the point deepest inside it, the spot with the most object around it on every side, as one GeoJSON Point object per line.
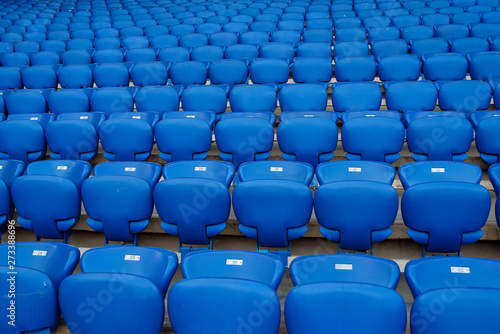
{"type": "Point", "coordinates": [465, 95]}
{"type": "Point", "coordinates": [26, 101]}
{"type": "Point", "coordinates": [312, 70]}
{"type": "Point", "coordinates": [272, 211]}
{"type": "Point", "coordinates": [399, 68]}
{"type": "Point", "coordinates": [213, 170]}
{"type": "Point", "coordinates": [341, 268]}
{"type": "Point", "coordinates": [438, 136]}
{"type": "Point", "coordinates": [414, 173]}
{"type": "Point", "coordinates": [269, 71]}
{"type": "Point", "coordinates": [69, 101]}
{"type": "Point", "coordinates": [149, 73]}
{"type": "Point", "coordinates": [252, 98]}
{"type": "Point", "coordinates": [188, 73]}
{"type": "Point", "coordinates": [185, 135]}
{"type": "Point", "coordinates": [336, 171]}
{"type": "Point", "coordinates": [445, 66]}
{"type": "Point", "coordinates": [375, 136]}
{"type": "Point", "coordinates": [214, 308]}
{"type": "Point", "coordinates": [73, 136]}
{"type": "Point", "coordinates": [254, 266]}
{"type": "Point", "coordinates": [243, 137]}
{"type": "Point", "coordinates": [404, 96]}
{"type": "Point", "coordinates": [494, 176]}
{"type": "Point", "coordinates": [276, 170]}
{"type": "Point", "coordinates": [211, 98]}
{"type": "Point", "coordinates": [112, 99]}
{"type": "Point", "coordinates": [308, 136]}
{"type": "Point", "coordinates": [303, 97]}
{"type": "Point", "coordinates": [111, 75]}
{"type": "Point", "coordinates": [228, 72]}
{"type": "Point", "coordinates": [157, 98]}
{"type": "Point", "coordinates": [47, 197]}
{"type": "Point", "coordinates": [331, 307]}
{"type": "Point", "coordinates": [119, 198]}
{"type": "Point", "coordinates": [354, 69]}
{"type": "Point", "coordinates": [9, 170]}
{"type": "Point", "coordinates": [356, 96]}
{"type": "Point", "coordinates": [128, 136]}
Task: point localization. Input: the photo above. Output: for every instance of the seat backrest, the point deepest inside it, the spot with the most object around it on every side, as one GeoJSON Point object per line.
{"type": "Point", "coordinates": [204, 97]}
{"type": "Point", "coordinates": [403, 96]}
{"type": "Point", "coordinates": [250, 98]}
{"type": "Point", "coordinates": [69, 101]}
{"type": "Point", "coordinates": [485, 66]}
{"type": "Point", "coordinates": [269, 71]}
{"type": "Point", "coordinates": [356, 96]}
{"type": "Point", "coordinates": [276, 170]}
{"type": "Point", "coordinates": [465, 95]}
{"type": "Point", "coordinates": [303, 97]}
{"type": "Point", "coordinates": [445, 66]}
{"type": "Point", "coordinates": [157, 98]}
{"type": "Point", "coordinates": [112, 99]}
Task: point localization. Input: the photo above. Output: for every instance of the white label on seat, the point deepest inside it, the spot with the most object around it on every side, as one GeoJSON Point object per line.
{"type": "Point", "coordinates": [1, 167]}
{"type": "Point", "coordinates": [33, 118]}
{"type": "Point", "coordinates": [190, 116]}
{"type": "Point", "coordinates": [369, 115]}
{"type": "Point", "coordinates": [39, 253]}
{"type": "Point", "coordinates": [308, 115]}
{"type": "Point", "coordinates": [84, 117]}
{"type": "Point", "coordinates": [460, 270]}
{"type": "Point", "coordinates": [438, 170]}
{"type": "Point", "coordinates": [132, 257]}
{"type": "Point", "coordinates": [276, 169]}
{"type": "Point", "coordinates": [343, 266]}
{"type": "Point", "coordinates": [130, 169]}
{"type": "Point", "coordinates": [233, 262]}
{"type": "Point", "coordinates": [136, 117]}
{"type": "Point", "coordinates": [62, 167]}
{"type": "Point", "coordinates": [355, 169]}
{"type": "Point", "coordinates": [200, 169]}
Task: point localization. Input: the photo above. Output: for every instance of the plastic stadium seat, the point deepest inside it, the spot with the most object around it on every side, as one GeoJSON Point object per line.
{"type": "Point", "coordinates": [282, 170]}
{"type": "Point", "coordinates": [119, 198]}
{"type": "Point", "coordinates": [188, 73]}
{"type": "Point", "coordinates": [293, 25]}
{"type": "Point", "coordinates": [135, 42]}
{"type": "Point", "coordinates": [346, 21]}
{"type": "Point", "coordinates": [303, 97]}
{"type": "Point", "coordinates": [350, 35]}
{"type": "Point", "coordinates": [286, 36]}
{"type": "Point", "coordinates": [312, 70]}
{"type": "Point", "coordinates": [112, 99]}
{"type": "Point", "coordinates": [75, 76]}
{"type": "Point", "coordinates": [39, 77]}
{"type": "Point", "coordinates": [318, 35]}
{"type": "Point", "coordinates": [485, 124]}
{"type": "Point", "coordinates": [278, 50]}
{"type": "Point", "coordinates": [356, 96]}
{"type": "Point", "coordinates": [140, 55]}
{"type": "Point", "coordinates": [455, 30]}
{"type": "Point", "coordinates": [15, 59]}
{"type": "Point", "coordinates": [174, 201]}
{"type": "Point", "coordinates": [485, 66]}
{"type": "Point", "coordinates": [465, 95]}
{"type": "Point", "coordinates": [128, 136]}
{"type": "Point", "coordinates": [489, 17]}
{"type": "Point", "coordinates": [257, 38]}
{"type": "Point", "coordinates": [10, 170]}
{"type": "Point", "coordinates": [451, 142]}
{"type": "Point", "coordinates": [472, 289]}
{"type": "Point", "coordinates": [207, 53]}
{"type": "Point", "coordinates": [111, 75]}
{"type": "Point", "coordinates": [10, 78]}
{"type": "Point", "coordinates": [342, 184]}
{"type": "Point", "coordinates": [457, 210]}
{"type": "Point", "coordinates": [193, 40]}
{"type": "Point", "coordinates": [372, 135]}
{"type": "Point", "coordinates": [68, 101]}
{"type": "Point", "coordinates": [401, 21]}
{"type": "Point", "coordinates": [47, 197]}
{"type": "Point", "coordinates": [269, 71]}
{"type": "Point", "coordinates": [416, 32]}
{"type": "Point", "coordinates": [204, 97]}
{"type": "Point", "coordinates": [434, 19]}
{"type": "Point", "coordinates": [466, 18]}
{"type": "Point", "coordinates": [40, 268]}
{"type": "Point", "coordinates": [184, 135]}
{"type": "Point", "coordinates": [228, 72]}
{"type": "Point", "coordinates": [134, 278]}
{"type": "Point", "coordinates": [445, 67]}
{"type": "Point", "coordinates": [151, 73]}
{"type": "Point", "coordinates": [405, 96]}
{"type": "Point", "coordinates": [383, 33]}
{"type": "Point", "coordinates": [174, 54]}
{"type": "Point", "coordinates": [485, 30]}
{"type": "Point", "coordinates": [399, 68]}
{"type": "Point", "coordinates": [157, 99]}
{"type": "Point", "coordinates": [26, 101]}
{"type": "Point", "coordinates": [164, 41]}
{"type": "Point", "coordinates": [331, 293]}
{"type": "Point", "coordinates": [107, 43]}
{"type": "Point", "coordinates": [471, 44]}
{"type": "Point", "coordinates": [323, 50]}
{"type": "Point", "coordinates": [208, 28]}
{"type": "Point", "coordinates": [26, 47]}
{"type": "Point", "coordinates": [250, 98]}
{"type": "Point", "coordinates": [389, 48]}
{"type": "Point", "coordinates": [252, 131]}
{"type": "Point", "coordinates": [355, 69]}
{"type": "Point", "coordinates": [308, 136]}
{"type": "Point", "coordinates": [79, 44]}
{"type": "Point", "coordinates": [265, 206]}
{"type": "Point", "coordinates": [75, 57]}
{"type": "Point", "coordinates": [426, 46]}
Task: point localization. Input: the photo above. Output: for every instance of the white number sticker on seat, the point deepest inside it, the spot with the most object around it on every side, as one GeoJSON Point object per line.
{"type": "Point", "coordinates": [460, 270]}
{"type": "Point", "coordinates": [343, 266]}
{"type": "Point", "coordinates": [438, 170]}
{"type": "Point", "coordinates": [276, 169]}
{"type": "Point", "coordinates": [234, 262]}
{"type": "Point", "coordinates": [354, 169]}
{"type": "Point", "coordinates": [39, 253]}
{"type": "Point", "coordinates": [200, 169]}
{"type": "Point", "coordinates": [132, 257]}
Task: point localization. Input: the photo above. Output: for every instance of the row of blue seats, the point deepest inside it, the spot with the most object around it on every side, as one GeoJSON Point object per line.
{"type": "Point", "coordinates": [443, 205]}
{"type": "Point", "coordinates": [237, 291]}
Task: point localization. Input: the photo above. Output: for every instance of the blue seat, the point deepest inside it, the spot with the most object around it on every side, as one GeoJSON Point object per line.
{"type": "Point", "coordinates": [40, 268]}
{"type": "Point", "coordinates": [401, 21]}
{"type": "Point", "coordinates": [453, 30]}
{"type": "Point", "coordinates": [445, 67]}
{"type": "Point", "coordinates": [274, 210]}
{"type": "Point", "coordinates": [245, 52]}
{"type": "Point", "coordinates": [47, 197]}
{"type": "Point", "coordinates": [204, 97]}
{"type": "Point", "coordinates": [372, 135]}
{"type": "Point", "coordinates": [128, 136]}
{"type": "Point", "coordinates": [75, 57]}
{"type": "Point", "coordinates": [350, 49]}
{"type": "Point", "coordinates": [455, 212]}
{"type": "Point", "coordinates": [390, 47]}
{"type": "Point", "coordinates": [308, 136]}
{"type": "Point", "coordinates": [15, 59]}
{"type": "Point", "coordinates": [453, 142]}
{"type": "Point", "coordinates": [223, 39]}
{"type": "Point", "coordinates": [345, 187]}
{"type": "Point", "coordinates": [269, 71]}
{"type": "Point", "coordinates": [343, 20]}
{"type": "Point", "coordinates": [312, 70]}
{"type": "Point", "coordinates": [425, 46]}
{"type": "Point", "coordinates": [75, 76]}
{"type": "Point", "coordinates": [484, 66]}
{"type": "Point", "coordinates": [252, 98]}
{"type": "Point", "coordinates": [111, 75]}
{"type": "Point", "coordinates": [485, 125]}
{"type": "Point", "coordinates": [485, 30]}
{"type": "Point", "coordinates": [294, 24]}
{"type": "Point", "coordinates": [252, 130]}
{"type": "Point", "coordinates": [174, 199]}
{"type": "Point", "coordinates": [356, 96]}
{"type": "Point", "coordinates": [151, 73]}
{"type": "Point", "coordinates": [228, 72]}
{"type": "Point", "coordinates": [473, 286]}
{"type": "Point", "coordinates": [416, 32]}
{"type": "Point", "coordinates": [193, 40]}
{"type": "Point", "coordinates": [280, 170]}
{"type": "Point", "coordinates": [399, 68]}
{"type": "Point", "coordinates": [188, 73]}
{"type": "Point", "coordinates": [112, 99]}
{"type": "Point", "coordinates": [107, 43]}
{"type": "Point", "coordinates": [184, 135]}
{"type": "Point", "coordinates": [157, 99]}
{"type": "Point", "coordinates": [140, 55]}
{"type": "Point", "coordinates": [465, 95]}
{"type": "Point", "coordinates": [405, 96]}
{"type": "Point", "coordinates": [134, 277]}
{"type": "Point", "coordinates": [360, 68]}
{"type": "Point", "coordinates": [259, 267]}
{"type": "Point", "coordinates": [334, 289]}
{"type": "Point", "coordinates": [383, 33]}
{"type": "Point", "coordinates": [174, 54]}
{"type": "Point", "coordinates": [257, 38]}
{"type": "Point", "coordinates": [279, 50]}
{"type": "Point", "coordinates": [164, 41]}
{"type": "Point", "coordinates": [350, 35]}
{"type": "Point", "coordinates": [10, 78]}
{"type": "Point", "coordinates": [25, 101]}
{"type": "Point", "coordinates": [466, 18]}
{"type": "Point", "coordinates": [135, 42]}
{"type": "Point", "coordinates": [489, 17]}
{"type": "Point", "coordinates": [286, 36]}
{"type": "Point", "coordinates": [208, 28]}
{"type": "Point", "coordinates": [207, 53]}
{"type": "Point", "coordinates": [471, 44]}
{"type": "Point", "coordinates": [27, 46]}
{"type": "Point", "coordinates": [433, 19]}
{"type": "Point", "coordinates": [23, 137]}
{"type": "Point", "coordinates": [74, 135]}
{"type": "Point", "coordinates": [119, 198]}
{"type": "Point", "coordinates": [318, 35]}
{"type": "Point", "coordinates": [10, 170]}
{"type": "Point", "coordinates": [303, 97]}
